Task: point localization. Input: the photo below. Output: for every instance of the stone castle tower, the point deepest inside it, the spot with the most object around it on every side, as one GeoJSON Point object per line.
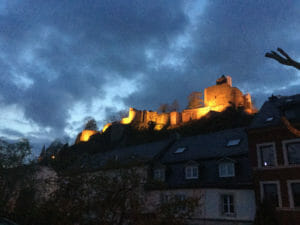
{"type": "Point", "coordinates": [216, 98]}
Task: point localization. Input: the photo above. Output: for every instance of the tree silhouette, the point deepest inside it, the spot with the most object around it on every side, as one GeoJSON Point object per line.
{"type": "Point", "coordinates": [14, 154]}
{"type": "Point", "coordinates": [174, 106]}
{"type": "Point", "coordinates": [285, 59]}
{"type": "Point", "coordinates": [164, 108]}
{"type": "Point", "coordinates": [91, 124]}
{"type": "Point", "coordinates": [117, 197]}
{"type": "Point", "coordinates": [195, 100]}
{"type": "Point", "coordinates": [116, 116]}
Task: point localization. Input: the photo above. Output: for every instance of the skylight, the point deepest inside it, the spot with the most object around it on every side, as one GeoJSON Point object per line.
{"type": "Point", "coordinates": [233, 142]}
{"type": "Point", "coordinates": [180, 150]}
{"type": "Point", "coordinates": [269, 119]}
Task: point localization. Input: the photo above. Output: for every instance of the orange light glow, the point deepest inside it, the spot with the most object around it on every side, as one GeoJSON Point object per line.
{"type": "Point", "coordinates": [52, 156]}
{"type": "Point", "coordinates": [202, 111]}
{"type": "Point", "coordinates": [106, 126]}
{"type": "Point", "coordinates": [128, 120]}
{"type": "Point", "coordinates": [86, 134]}
{"type": "Point", "coordinates": [158, 127]}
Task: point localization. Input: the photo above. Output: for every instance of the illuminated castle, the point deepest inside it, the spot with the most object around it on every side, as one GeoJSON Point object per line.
{"type": "Point", "coordinates": [216, 98]}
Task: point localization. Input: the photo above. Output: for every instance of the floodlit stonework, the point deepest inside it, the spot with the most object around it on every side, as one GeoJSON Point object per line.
{"type": "Point", "coordinates": [216, 98]}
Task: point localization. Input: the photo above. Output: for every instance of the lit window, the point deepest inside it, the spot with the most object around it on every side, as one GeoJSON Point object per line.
{"type": "Point", "coordinates": [226, 169]}
{"type": "Point", "coordinates": [159, 174]}
{"type": "Point", "coordinates": [180, 150]}
{"type": "Point", "coordinates": [191, 172]}
{"type": "Point", "coordinates": [293, 152]}
{"type": "Point", "coordinates": [270, 193]}
{"type": "Point", "coordinates": [227, 205]}
{"type": "Point", "coordinates": [267, 155]}
{"type": "Point", "coordinates": [295, 188]}
{"type": "Point", "coordinates": [233, 142]}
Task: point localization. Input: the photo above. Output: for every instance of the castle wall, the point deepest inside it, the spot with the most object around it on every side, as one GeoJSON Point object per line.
{"type": "Point", "coordinates": [86, 134]}
{"type": "Point", "coordinates": [175, 118]}
{"type": "Point", "coordinates": [194, 114]}
{"type": "Point", "coordinates": [218, 97]}
{"type": "Point", "coordinates": [131, 116]}
{"type": "Point", "coordinates": [150, 116]}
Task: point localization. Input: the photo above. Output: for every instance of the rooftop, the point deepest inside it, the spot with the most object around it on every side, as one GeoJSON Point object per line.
{"type": "Point", "coordinates": [214, 145]}
{"type": "Point", "coordinates": [277, 106]}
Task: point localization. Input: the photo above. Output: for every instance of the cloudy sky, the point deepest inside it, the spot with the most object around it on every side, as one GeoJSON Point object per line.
{"type": "Point", "coordinates": [63, 60]}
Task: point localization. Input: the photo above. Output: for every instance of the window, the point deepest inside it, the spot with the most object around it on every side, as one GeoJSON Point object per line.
{"type": "Point", "coordinates": [293, 152]}
{"type": "Point", "coordinates": [180, 150]}
{"type": "Point", "coordinates": [226, 169]}
{"type": "Point", "coordinates": [191, 172]}
{"type": "Point", "coordinates": [295, 187]}
{"type": "Point", "coordinates": [159, 174]}
{"type": "Point", "coordinates": [233, 142]}
{"type": "Point", "coordinates": [294, 193]}
{"type": "Point", "coordinates": [164, 198]}
{"type": "Point", "coordinates": [270, 193]}
{"type": "Point", "coordinates": [180, 201]}
{"type": "Point", "coordinates": [227, 205]}
{"type": "Point", "coordinates": [266, 155]}
{"type": "Point", "coordinates": [269, 119]}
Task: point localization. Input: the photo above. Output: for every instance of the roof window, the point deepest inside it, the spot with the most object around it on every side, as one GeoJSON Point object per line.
{"type": "Point", "coordinates": [269, 119]}
{"type": "Point", "coordinates": [180, 150]}
{"type": "Point", "coordinates": [233, 142]}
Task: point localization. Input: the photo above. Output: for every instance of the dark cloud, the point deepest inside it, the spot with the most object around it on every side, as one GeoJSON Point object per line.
{"type": "Point", "coordinates": [12, 132]}
{"type": "Point", "coordinates": [55, 54]}
{"type": "Point", "coordinates": [231, 37]}
{"type": "Point", "coordinates": [70, 51]}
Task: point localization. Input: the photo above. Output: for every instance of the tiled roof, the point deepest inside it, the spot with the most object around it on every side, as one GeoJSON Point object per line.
{"type": "Point", "coordinates": [144, 153]}
{"type": "Point", "coordinates": [213, 145]}
{"type": "Point", "coordinates": [209, 175]}
{"type": "Point", "coordinates": [207, 150]}
{"type": "Point", "coordinates": [270, 113]}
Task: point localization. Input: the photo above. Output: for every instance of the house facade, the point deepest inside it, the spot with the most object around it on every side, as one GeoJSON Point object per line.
{"type": "Point", "coordinates": [274, 150]}
{"type": "Point", "coordinates": [214, 168]}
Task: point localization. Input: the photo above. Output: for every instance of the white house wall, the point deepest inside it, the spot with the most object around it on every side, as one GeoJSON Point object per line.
{"type": "Point", "coordinates": [209, 211]}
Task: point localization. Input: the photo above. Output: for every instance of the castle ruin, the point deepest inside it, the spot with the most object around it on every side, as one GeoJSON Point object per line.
{"type": "Point", "coordinates": [216, 98]}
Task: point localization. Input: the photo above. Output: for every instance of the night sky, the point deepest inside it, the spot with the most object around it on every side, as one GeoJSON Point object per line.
{"type": "Point", "coordinates": [62, 61]}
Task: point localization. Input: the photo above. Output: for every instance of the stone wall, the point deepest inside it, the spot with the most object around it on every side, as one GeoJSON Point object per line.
{"type": "Point", "coordinates": [221, 96]}
{"type": "Point", "coordinates": [216, 98]}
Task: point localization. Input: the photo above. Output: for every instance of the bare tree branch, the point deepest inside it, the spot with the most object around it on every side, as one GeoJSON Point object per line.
{"type": "Point", "coordinates": [285, 59]}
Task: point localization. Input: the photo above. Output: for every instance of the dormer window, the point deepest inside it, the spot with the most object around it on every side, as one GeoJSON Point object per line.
{"type": "Point", "coordinates": [233, 142]}
{"type": "Point", "coordinates": [159, 174]}
{"type": "Point", "coordinates": [191, 172]}
{"type": "Point", "coordinates": [226, 169]}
